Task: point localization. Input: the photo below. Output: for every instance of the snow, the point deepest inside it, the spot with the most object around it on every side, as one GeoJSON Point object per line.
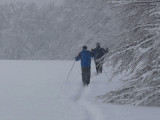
{"type": "Point", "coordinates": [36, 90]}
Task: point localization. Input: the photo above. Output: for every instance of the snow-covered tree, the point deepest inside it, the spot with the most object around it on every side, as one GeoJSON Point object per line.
{"type": "Point", "coordinates": [137, 60]}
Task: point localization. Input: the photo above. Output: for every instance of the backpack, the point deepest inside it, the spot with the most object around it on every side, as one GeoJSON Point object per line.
{"type": "Point", "coordinates": [99, 52]}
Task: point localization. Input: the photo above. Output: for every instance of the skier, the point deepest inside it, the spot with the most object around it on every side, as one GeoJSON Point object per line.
{"type": "Point", "coordinates": [98, 52]}
{"type": "Point", "coordinates": [85, 57]}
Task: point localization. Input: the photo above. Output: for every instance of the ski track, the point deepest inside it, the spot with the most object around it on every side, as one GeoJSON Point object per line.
{"type": "Point", "coordinates": [92, 112]}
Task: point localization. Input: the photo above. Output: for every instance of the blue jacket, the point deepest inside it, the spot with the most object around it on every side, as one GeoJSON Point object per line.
{"type": "Point", "coordinates": [85, 57]}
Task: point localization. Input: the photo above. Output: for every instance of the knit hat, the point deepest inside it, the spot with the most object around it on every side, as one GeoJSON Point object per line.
{"type": "Point", "coordinates": [84, 47]}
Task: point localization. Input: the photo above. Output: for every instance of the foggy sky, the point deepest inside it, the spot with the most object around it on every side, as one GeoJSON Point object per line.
{"type": "Point", "coordinates": [39, 2]}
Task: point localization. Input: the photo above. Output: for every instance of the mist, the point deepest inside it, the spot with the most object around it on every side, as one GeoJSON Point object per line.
{"type": "Point", "coordinates": [38, 2]}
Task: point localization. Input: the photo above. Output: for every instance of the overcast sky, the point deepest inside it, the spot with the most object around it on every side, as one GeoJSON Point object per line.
{"type": "Point", "coordinates": [39, 2]}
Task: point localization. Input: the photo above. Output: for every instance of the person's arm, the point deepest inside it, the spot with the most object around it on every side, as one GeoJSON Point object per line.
{"type": "Point", "coordinates": [106, 50]}
{"type": "Point", "coordinates": [78, 57]}
{"type": "Point", "coordinates": [93, 52]}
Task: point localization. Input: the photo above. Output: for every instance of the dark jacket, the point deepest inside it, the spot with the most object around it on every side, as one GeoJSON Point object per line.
{"type": "Point", "coordinates": [85, 57]}
{"type": "Point", "coordinates": [98, 52]}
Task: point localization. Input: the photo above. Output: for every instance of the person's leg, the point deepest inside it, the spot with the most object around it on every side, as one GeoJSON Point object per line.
{"type": "Point", "coordinates": [83, 75]}
{"type": "Point", "coordinates": [100, 68]}
{"type": "Point", "coordinates": [88, 75]}
{"type": "Point", "coordinates": [96, 63]}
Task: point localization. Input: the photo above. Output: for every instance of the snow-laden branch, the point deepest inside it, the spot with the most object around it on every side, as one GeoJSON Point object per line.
{"type": "Point", "coordinates": [138, 64]}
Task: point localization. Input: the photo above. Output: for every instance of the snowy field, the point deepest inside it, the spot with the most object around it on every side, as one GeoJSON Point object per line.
{"type": "Point", "coordinates": [36, 90]}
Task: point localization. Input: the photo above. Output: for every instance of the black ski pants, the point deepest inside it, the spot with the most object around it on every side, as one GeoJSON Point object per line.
{"type": "Point", "coordinates": [86, 74]}
{"type": "Point", "coordinates": [99, 65]}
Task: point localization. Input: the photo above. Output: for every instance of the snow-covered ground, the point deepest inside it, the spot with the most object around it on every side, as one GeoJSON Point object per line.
{"type": "Point", "coordinates": [36, 90]}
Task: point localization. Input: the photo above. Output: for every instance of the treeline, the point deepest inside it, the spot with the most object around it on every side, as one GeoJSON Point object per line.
{"type": "Point", "coordinates": [50, 32]}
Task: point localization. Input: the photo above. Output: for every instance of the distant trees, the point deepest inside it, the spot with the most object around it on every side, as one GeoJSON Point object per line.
{"type": "Point", "coordinates": [50, 32]}
{"type": "Point", "coordinates": [19, 28]}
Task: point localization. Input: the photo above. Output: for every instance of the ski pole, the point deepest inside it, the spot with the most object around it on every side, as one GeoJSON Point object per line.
{"type": "Point", "coordinates": [70, 72]}
{"type": "Point", "coordinates": [106, 76]}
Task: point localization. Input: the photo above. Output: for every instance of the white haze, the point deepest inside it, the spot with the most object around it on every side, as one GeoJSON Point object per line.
{"type": "Point", "coordinates": [38, 2]}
